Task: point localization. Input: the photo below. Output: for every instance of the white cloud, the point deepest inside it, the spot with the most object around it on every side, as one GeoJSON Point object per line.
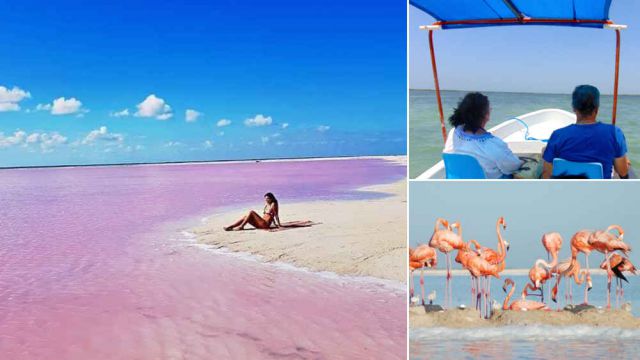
{"type": "Point", "coordinates": [207, 144]}
{"type": "Point", "coordinates": [280, 143]}
{"type": "Point", "coordinates": [46, 141]}
{"type": "Point", "coordinates": [154, 106]}
{"type": "Point", "coordinates": [323, 128]}
{"type": "Point", "coordinates": [102, 135]}
{"type": "Point", "coordinates": [173, 144]}
{"type": "Point", "coordinates": [259, 120]}
{"type": "Point", "coordinates": [264, 139]}
{"type": "Point", "coordinates": [221, 133]}
{"type": "Point", "coordinates": [285, 125]}
{"type": "Point", "coordinates": [43, 107]}
{"type": "Point", "coordinates": [9, 106]}
{"type": "Point", "coordinates": [9, 98]}
{"type": "Point", "coordinates": [62, 106]}
{"type": "Point", "coordinates": [223, 122]}
{"type": "Point", "coordinates": [191, 115]}
{"type": "Point", "coordinates": [121, 113]}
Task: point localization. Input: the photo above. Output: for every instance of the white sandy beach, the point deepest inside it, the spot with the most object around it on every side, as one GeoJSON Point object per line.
{"type": "Point", "coordinates": [357, 237]}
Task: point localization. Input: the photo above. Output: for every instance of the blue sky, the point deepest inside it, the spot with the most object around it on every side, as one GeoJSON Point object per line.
{"type": "Point", "coordinates": [530, 209]}
{"type": "Point", "coordinates": [548, 59]}
{"type": "Point", "coordinates": [104, 82]}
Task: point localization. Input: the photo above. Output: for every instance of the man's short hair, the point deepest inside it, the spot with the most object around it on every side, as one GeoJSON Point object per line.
{"type": "Point", "coordinates": [586, 99]}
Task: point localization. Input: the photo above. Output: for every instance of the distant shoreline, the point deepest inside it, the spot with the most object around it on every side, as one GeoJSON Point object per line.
{"type": "Point", "coordinates": [517, 92]}
{"type": "Point", "coordinates": [349, 157]}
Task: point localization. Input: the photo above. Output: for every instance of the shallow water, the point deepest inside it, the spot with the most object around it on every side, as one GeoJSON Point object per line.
{"type": "Point", "coordinates": [94, 265]}
{"type": "Point", "coordinates": [526, 342]}
{"type": "Point", "coordinates": [425, 137]}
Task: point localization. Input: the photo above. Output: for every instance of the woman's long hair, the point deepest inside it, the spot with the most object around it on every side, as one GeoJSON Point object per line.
{"type": "Point", "coordinates": [471, 111]}
{"type": "Point", "coordinates": [271, 197]}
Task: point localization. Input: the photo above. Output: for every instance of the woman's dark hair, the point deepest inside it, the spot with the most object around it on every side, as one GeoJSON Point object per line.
{"type": "Point", "coordinates": [470, 112]}
{"type": "Point", "coordinates": [585, 99]}
{"type": "Point", "coordinates": [272, 197]}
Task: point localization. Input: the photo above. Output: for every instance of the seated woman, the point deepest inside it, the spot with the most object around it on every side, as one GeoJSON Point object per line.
{"type": "Point", "coordinates": [269, 216]}
{"type": "Point", "coordinates": [469, 137]}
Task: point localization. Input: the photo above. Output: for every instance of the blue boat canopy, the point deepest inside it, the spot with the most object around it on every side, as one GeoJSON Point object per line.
{"type": "Point", "coordinates": [455, 14]}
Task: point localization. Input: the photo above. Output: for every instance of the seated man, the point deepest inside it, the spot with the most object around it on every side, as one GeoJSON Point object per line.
{"type": "Point", "coordinates": [588, 140]}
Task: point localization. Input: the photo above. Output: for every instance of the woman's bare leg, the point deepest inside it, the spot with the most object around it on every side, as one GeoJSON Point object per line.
{"type": "Point", "coordinates": [237, 223]}
{"type": "Point", "coordinates": [254, 220]}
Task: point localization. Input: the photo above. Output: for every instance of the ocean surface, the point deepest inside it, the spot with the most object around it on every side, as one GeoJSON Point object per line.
{"type": "Point", "coordinates": [94, 264]}
{"type": "Point", "coordinates": [425, 137]}
{"type": "Point", "coordinates": [527, 342]}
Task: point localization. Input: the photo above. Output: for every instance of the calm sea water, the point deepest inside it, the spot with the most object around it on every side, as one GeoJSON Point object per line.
{"type": "Point", "coordinates": [527, 342]}
{"type": "Point", "coordinates": [425, 137]}
{"type": "Point", "coordinates": [92, 266]}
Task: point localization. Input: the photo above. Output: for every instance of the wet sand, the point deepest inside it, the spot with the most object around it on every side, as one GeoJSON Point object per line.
{"type": "Point", "coordinates": [349, 237]}
{"type": "Point", "coordinates": [468, 318]}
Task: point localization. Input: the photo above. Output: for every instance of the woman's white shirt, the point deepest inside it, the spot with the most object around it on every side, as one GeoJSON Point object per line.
{"type": "Point", "coordinates": [493, 154]}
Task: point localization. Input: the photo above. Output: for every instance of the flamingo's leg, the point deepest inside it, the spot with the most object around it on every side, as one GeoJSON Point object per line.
{"type": "Point", "coordinates": [448, 283]}
{"type": "Point", "coordinates": [411, 284]}
{"type": "Point", "coordinates": [608, 280]}
{"type": "Point", "coordinates": [488, 297]}
{"type": "Point", "coordinates": [473, 290]}
{"type": "Point", "coordinates": [586, 297]}
{"type": "Point", "coordinates": [422, 283]}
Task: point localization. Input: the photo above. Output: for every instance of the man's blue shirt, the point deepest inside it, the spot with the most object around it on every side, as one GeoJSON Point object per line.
{"type": "Point", "coordinates": [595, 142]}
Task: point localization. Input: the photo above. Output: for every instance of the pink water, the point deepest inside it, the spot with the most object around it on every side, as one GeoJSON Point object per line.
{"type": "Point", "coordinates": [91, 268]}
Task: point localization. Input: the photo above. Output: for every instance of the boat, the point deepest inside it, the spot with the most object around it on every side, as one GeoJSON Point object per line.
{"type": "Point", "coordinates": [526, 134]}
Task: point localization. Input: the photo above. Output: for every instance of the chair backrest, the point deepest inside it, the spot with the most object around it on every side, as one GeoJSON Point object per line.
{"type": "Point", "coordinates": [590, 170]}
{"type": "Point", "coordinates": [462, 166]}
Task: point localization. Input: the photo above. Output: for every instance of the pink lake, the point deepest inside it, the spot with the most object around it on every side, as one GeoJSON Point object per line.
{"type": "Point", "coordinates": [93, 266]}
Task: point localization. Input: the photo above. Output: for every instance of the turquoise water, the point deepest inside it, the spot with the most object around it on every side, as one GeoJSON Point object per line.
{"type": "Point", "coordinates": [425, 138]}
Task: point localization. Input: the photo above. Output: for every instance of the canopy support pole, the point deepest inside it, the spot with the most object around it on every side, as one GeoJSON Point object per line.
{"type": "Point", "coordinates": [437, 86]}
{"type": "Point", "coordinates": [615, 81]}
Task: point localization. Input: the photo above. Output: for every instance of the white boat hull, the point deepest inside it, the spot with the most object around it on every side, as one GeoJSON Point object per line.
{"type": "Point", "coordinates": [540, 123]}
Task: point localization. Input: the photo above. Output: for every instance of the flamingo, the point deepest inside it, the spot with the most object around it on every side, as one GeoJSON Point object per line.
{"type": "Point", "coordinates": [446, 240]}
{"type": "Point", "coordinates": [419, 258]}
{"type": "Point", "coordinates": [480, 267]}
{"type": "Point", "coordinates": [538, 274]}
{"type": "Point", "coordinates": [606, 242]}
{"type": "Point", "coordinates": [493, 257]}
{"type": "Point", "coordinates": [462, 257]}
{"type": "Point", "coordinates": [520, 304]}
{"type": "Point", "coordinates": [569, 269]}
{"type": "Point", "coordinates": [580, 244]}
{"type": "Point", "coordinates": [618, 265]}
{"type": "Point", "coordinates": [552, 242]}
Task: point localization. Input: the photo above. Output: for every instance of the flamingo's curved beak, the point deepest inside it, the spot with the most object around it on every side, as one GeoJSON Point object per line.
{"type": "Point", "coordinates": [590, 285]}
{"type": "Point", "coordinates": [506, 243]}
{"type": "Point", "coordinates": [622, 236]}
{"type": "Point", "coordinates": [504, 287]}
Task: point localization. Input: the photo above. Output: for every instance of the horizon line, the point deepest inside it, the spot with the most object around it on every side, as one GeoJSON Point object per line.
{"type": "Point", "coordinates": [274, 159]}
{"type": "Point", "coordinates": [516, 92]}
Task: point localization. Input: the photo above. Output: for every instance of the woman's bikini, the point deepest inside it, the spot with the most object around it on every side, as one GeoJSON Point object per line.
{"type": "Point", "coordinates": [268, 214]}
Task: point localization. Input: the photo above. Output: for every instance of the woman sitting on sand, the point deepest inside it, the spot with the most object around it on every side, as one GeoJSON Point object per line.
{"type": "Point", "coordinates": [469, 137]}
{"type": "Point", "coordinates": [269, 216]}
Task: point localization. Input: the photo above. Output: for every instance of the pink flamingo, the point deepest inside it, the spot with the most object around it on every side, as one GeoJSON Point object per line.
{"type": "Point", "coordinates": [567, 268]}
{"type": "Point", "coordinates": [445, 240]}
{"type": "Point", "coordinates": [520, 304]}
{"type": "Point", "coordinates": [618, 265]}
{"type": "Point", "coordinates": [493, 257]}
{"type": "Point", "coordinates": [480, 267]}
{"type": "Point", "coordinates": [580, 244]}
{"type": "Point", "coordinates": [552, 242]}
{"type": "Point", "coordinates": [606, 242]}
{"type": "Point", "coordinates": [462, 257]}
{"type": "Point", "coordinates": [419, 258]}
{"type": "Point", "coordinates": [538, 274]}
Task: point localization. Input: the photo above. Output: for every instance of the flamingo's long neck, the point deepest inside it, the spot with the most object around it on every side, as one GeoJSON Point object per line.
{"type": "Point", "coordinates": [501, 248]}
{"type": "Point", "coordinates": [439, 222]}
{"type": "Point", "coordinates": [505, 305]}
{"type": "Point", "coordinates": [618, 228]}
